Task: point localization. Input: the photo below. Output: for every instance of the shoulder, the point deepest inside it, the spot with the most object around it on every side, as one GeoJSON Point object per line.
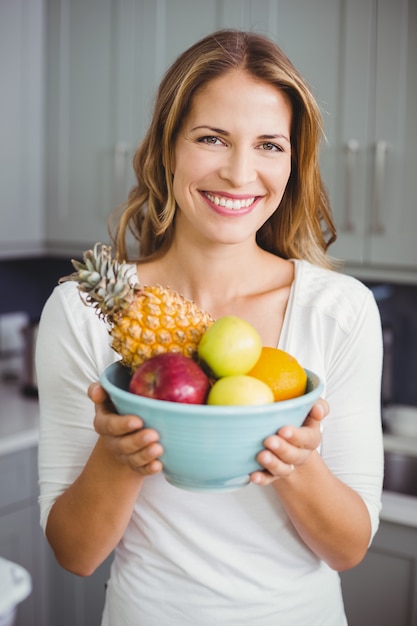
{"type": "Point", "coordinates": [66, 314]}
{"type": "Point", "coordinates": [66, 301]}
{"type": "Point", "coordinates": [73, 330]}
{"type": "Point", "coordinates": [334, 295]}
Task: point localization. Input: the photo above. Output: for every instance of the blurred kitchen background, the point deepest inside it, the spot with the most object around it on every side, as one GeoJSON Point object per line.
{"type": "Point", "coordinates": [77, 81]}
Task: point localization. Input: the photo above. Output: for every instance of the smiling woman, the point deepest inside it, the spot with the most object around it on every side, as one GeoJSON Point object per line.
{"type": "Point", "coordinates": [303, 228]}
{"type": "Point", "coordinates": [228, 210]}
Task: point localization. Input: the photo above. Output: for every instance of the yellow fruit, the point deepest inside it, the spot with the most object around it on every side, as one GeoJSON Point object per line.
{"type": "Point", "coordinates": [282, 372]}
{"type": "Point", "coordinates": [144, 320]}
{"type": "Point", "coordinates": [239, 389]}
{"type": "Point", "coordinates": [230, 346]}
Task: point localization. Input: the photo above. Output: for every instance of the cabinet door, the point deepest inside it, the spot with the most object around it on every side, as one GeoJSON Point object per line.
{"type": "Point", "coordinates": [351, 153]}
{"type": "Point", "coordinates": [376, 185]}
{"type": "Point", "coordinates": [382, 590]}
{"type": "Point", "coordinates": [393, 229]}
{"type": "Point", "coordinates": [82, 88]}
{"type": "Point", "coordinates": [16, 545]}
{"type": "Point", "coordinates": [75, 601]}
{"type": "Point", "coordinates": [16, 471]}
{"type": "Point", "coordinates": [21, 127]}
{"type": "Point", "coordinates": [21, 538]}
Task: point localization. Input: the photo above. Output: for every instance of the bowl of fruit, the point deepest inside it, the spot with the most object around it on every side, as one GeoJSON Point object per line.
{"type": "Point", "coordinates": [209, 387]}
{"type": "Point", "coordinates": [209, 447]}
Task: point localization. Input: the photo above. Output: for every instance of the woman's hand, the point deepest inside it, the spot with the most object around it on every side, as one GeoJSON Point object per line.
{"type": "Point", "coordinates": [125, 435]}
{"type": "Point", "coordinates": [290, 447]}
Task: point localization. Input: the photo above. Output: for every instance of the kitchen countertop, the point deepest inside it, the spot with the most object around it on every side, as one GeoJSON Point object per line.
{"type": "Point", "coordinates": [399, 508]}
{"type": "Point", "coordinates": [395, 443]}
{"type": "Point", "coordinates": [19, 429]}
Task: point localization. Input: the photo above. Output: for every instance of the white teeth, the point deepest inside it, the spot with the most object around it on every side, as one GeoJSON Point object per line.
{"type": "Point", "coordinates": [228, 203]}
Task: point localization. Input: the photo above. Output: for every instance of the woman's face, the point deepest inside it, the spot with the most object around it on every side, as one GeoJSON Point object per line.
{"type": "Point", "coordinates": [232, 159]}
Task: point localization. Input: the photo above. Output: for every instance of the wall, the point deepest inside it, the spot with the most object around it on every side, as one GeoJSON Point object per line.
{"type": "Point", "coordinates": [27, 284]}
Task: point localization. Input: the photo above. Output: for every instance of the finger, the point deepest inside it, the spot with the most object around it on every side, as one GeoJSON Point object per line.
{"type": "Point", "coordinates": [139, 450]}
{"type": "Point", "coordinates": [113, 425]}
{"type": "Point", "coordinates": [313, 420]}
{"type": "Point", "coordinates": [261, 478]}
{"type": "Point", "coordinates": [146, 456]}
{"type": "Point", "coordinates": [308, 436]}
{"type": "Point", "coordinates": [264, 477]}
{"type": "Point", "coordinates": [318, 411]}
{"type": "Point", "coordinates": [277, 466]}
{"type": "Point", "coordinates": [153, 467]}
{"type": "Point", "coordinates": [145, 441]}
{"type": "Point", "coordinates": [97, 393]}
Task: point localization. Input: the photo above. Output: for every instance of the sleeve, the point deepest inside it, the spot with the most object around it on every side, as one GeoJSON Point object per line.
{"type": "Point", "coordinates": [352, 443]}
{"type": "Point", "coordinates": [73, 347]}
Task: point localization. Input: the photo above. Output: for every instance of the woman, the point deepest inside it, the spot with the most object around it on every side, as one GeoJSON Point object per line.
{"type": "Point", "coordinates": [230, 210]}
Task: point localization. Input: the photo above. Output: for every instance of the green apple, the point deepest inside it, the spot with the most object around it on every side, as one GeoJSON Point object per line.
{"type": "Point", "coordinates": [230, 346]}
{"type": "Point", "coordinates": [238, 390]}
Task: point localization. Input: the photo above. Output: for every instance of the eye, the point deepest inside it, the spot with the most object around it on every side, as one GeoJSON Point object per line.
{"type": "Point", "coordinates": [268, 146]}
{"type": "Point", "coordinates": [210, 140]}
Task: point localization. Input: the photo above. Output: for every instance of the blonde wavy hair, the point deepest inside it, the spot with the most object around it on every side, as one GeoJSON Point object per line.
{"type": "Point", "coordinates": [302, 227]}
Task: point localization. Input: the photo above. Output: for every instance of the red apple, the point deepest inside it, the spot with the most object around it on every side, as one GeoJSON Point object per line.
{"type": "Point", "coordinates": [171, 376]}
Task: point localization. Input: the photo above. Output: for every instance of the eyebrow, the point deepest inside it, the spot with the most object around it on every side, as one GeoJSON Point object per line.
{"type": "Point", "coordinates": [220, 131]}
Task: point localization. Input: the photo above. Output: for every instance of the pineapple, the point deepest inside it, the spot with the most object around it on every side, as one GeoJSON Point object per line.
{"type": "Point", "coordinates": [143, 320]}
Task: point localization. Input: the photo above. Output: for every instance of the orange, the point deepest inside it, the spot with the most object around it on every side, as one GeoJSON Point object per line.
{"type": "Point", "coordinates": [282, 372]}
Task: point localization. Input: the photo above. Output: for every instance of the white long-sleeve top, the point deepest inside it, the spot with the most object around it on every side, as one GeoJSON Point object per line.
{"type": "Point", "coordinates": [222, 559]}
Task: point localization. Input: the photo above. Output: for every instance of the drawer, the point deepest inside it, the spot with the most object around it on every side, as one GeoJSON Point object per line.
{"type": "Point", "coordinates": [17, 478]}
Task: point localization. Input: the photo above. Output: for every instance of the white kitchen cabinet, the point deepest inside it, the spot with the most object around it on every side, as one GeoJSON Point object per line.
{"type": "Point", "coordinates": [375, 200]}
{"type": "Point", "coordinates": [81, 129]}
{"type": "Point", "coordinates": [57, 597]}
{"type": "Point", "coordinates": [21, 539]}
{"type": "Point", "coordinates": [105, 60]}
{"type": "Point", "coordinates": [22, 201]}
{"type": "Point", "coordinates": [75, 601]}
{"type": "Point", "coordinates": [382, 590]}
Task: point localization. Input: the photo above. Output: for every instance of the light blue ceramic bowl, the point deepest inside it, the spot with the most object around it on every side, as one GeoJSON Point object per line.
{"type": "Point", "coordinates": [209, 448]}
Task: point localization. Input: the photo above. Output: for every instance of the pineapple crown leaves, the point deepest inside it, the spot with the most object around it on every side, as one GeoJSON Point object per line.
{"type": "Point", "coordinates": [104, 281]}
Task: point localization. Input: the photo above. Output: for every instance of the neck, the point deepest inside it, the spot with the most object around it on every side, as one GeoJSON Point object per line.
{"type": "Point", "coordinates": [216, 268]}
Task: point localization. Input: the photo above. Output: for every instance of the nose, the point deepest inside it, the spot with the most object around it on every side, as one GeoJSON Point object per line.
{"type": "Point", "coordinates": [238, 167]}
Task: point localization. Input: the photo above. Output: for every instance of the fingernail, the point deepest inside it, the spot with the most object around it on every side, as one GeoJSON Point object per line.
{"type": "Point", "coordinates": [274, 444]}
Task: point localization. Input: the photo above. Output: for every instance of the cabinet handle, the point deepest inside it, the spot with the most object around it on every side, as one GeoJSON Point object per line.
{"type": "Point", "coordinates": [381, 149]}
{"type": "Point", "coordinates": [352, 149]}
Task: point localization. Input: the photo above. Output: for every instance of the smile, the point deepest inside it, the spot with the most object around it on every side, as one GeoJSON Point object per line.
{"type": "Point", "coordinates": [229, 203]}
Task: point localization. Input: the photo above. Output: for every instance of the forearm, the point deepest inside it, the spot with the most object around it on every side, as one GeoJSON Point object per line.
{"type": "Point", "coordinates": [329, 516]}
{"type": "Point", "coordinates": [89, 518]}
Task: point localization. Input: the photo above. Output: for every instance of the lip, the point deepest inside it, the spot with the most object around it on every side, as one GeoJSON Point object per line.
{"type": "Point", "coordinates": [223, 210]}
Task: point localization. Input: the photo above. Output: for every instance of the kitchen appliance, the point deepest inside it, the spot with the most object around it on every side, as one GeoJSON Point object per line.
{"type": "Point", "coordinates": [15, 586]}
{"type": "Point", "coordinates": [12, 344]}
{"type": "Point", "coordinates": [400, 420]}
